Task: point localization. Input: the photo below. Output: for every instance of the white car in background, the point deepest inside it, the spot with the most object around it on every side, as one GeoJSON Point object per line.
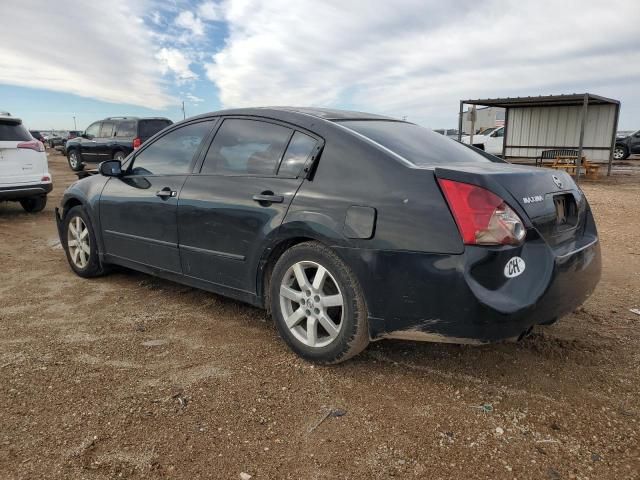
{"type": "Point", "coordinates": [24, 171]}
{"type": "Point", "coordinates": [490, 140]}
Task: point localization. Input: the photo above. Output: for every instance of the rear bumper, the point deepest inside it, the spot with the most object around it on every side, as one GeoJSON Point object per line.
{"type": "Point", "coordinates": [466, 298]}
{"type": "Point", "coordinates": [25, 191]}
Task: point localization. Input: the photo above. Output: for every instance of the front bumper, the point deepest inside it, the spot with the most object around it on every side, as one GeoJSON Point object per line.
{"type": "Point", "coordinates": [25, 191]}
{"type": "Point", "coordinates": [466, 298]}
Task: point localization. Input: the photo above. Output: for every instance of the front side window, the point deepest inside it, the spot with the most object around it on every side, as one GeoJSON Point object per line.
{"type": "Point", "coordinates": [93, 130]}
{"type": "Point", "coordinates": [499, 132]}
{"type": "Point", "coordinates": [246, 147]}
{"type": "Point", "coordinates": [299, 150]}
{"type": "Point", "coordinates": [172, 153]}
{"type": "Point", "coordinates": [106, 131]}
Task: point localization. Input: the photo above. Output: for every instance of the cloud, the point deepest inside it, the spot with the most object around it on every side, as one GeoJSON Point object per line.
{"type": "Point", "coordinates": [210, 11]}
{"type": "Point", "coordinates": [193, 99]}
{"type": "Point", "coordinates": [173, 60]}
{"type": "Point", "coordinates": [417, 57]}
{"type": "Point", "coordinates": [90, 49]}
{"type": "Point", "coordinates": [187, 20]}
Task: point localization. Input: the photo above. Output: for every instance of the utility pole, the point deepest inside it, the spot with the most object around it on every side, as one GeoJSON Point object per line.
{"type": "Point", "coordinates": [75, 127]}
{"type": "Point", "coordinates": [184, 115]}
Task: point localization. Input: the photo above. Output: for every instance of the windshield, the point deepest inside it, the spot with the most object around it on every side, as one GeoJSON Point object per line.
{"type": "Point", "coordinates": [488, 131]}
{"type": "Point", "coordinates": [418, 145]}
{"type": "Point", "coordinates": [11, 131]}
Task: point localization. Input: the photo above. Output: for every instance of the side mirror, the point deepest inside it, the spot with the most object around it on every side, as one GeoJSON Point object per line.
{"type": "Point", "coordinates": [110, 168]}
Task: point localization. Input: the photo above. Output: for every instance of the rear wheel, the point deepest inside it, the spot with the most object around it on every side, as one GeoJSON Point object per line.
{"type": "Point", "coordinates": [75, 160]}
{"type": "Point", "coordinates": [79, 242]}
{"type": "Point", "coordinates": [318, 305]}
{"type": "Point", "coordinates": [620, 152]}
{"type": "Point", "coordinates": [34, 204]}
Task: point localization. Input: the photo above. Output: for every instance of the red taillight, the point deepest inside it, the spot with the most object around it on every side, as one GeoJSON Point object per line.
{"type": "Point", "coordinates": [32, 145]}
{"type": "Point", "coordinates": [45, 178]}
{"type": "Point", "coordinates": [482, 217]}
{"type": "Point", "coordinates": [136, 143]}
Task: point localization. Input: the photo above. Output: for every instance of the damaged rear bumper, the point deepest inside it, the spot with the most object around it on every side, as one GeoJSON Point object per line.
{"type": "Point", "coordinates": [467, 298]}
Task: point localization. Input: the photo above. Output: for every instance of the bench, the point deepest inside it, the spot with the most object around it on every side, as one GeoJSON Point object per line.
{"type": "Point", "coordinates": [547, 157]}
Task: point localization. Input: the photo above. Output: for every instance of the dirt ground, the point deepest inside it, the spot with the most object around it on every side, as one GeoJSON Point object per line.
{"type": "Point", "coordinates": [127, 376]}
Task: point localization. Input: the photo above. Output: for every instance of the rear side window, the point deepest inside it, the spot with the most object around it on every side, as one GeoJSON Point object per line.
{"type": "Point", "coordinates": [172, 153]}
{"type": "Point", "coordinates": [148, 128]}
{"type": "Point", "coordinates": [418, 145]}
{"type": "Point", "coordinates": [13, 132]}
{"type": "Point", "coordinates": [126, 128]}
{"type": "Point", "coordinates": [298, 151]}
{"type": "Point", "coordinates": [246, 147]}
{"type": "Point", "coordinates": [106, 130]}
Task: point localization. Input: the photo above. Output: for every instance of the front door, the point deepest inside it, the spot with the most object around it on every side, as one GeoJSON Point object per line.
{"type": "Point", "coordinates": [89, 142]}
{"type": "Point", "coordinates": [250, 174]}
{"type": "Point", "coordinates": [104, 141]}
{"type": "Point", "coordinates": [138, 210]}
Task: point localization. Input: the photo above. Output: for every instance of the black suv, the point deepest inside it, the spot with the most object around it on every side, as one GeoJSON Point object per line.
{"type": "Point", "coordinates": [112, 138]}
{"type": "Point", "coordinates": [627, 146]}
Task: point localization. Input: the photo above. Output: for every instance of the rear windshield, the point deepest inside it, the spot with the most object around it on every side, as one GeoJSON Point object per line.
{"type": "Point", "coordinates": [148, 128]}
{"type": "Point", "coordinates": [13, 132]}
{"type": "Point", "coordinates": [418, 145]}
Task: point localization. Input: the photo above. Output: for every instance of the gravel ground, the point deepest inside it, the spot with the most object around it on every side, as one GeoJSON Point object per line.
{"type": "Point", "coordinates": [127, 376]}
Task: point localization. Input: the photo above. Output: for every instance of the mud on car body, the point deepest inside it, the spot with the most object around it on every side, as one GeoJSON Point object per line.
{"type": "Point", "coordinates": [348, 227]}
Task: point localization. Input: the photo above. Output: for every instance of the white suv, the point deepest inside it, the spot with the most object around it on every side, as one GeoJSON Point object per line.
{"type": "Point", "coordinates": [24, 171]}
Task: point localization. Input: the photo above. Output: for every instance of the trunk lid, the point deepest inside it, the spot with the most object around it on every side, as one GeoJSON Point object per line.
{"type": "Point", "coordinates": [548, 199]}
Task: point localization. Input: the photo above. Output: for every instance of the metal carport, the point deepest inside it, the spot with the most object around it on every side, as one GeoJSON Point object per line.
{"type": "Point", "coordinates": [580, 121]}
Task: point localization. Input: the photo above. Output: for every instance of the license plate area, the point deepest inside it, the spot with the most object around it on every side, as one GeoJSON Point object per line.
{"type": "Point", "coordinates": [566, 211]}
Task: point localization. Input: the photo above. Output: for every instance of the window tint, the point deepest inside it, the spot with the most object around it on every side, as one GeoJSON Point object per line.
{"type": "Point", "coordinates": [93, 129]}
{"type": "Point", "coordinates": [300, 147]}
{"type": "Point", "coordinates": [106, 130]}
{"type": "Point", "coordinates": [13, 132]}
{"type": "Point", "coordinates": [148, 128]}
{"type": "Point", "coordinates": [246, 147]}
{"type": "Point", "coordinates": [172, 153]}
{"type": "Point", "coordinates": [416, 144]}
{"type": "Point", "coordinates": [126, 128]}
{"type": "Point", "coordinates": [499, 132]}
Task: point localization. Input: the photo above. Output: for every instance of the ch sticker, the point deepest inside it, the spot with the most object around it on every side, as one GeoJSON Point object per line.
{"type": "Point", "coordinates": [514, 267]}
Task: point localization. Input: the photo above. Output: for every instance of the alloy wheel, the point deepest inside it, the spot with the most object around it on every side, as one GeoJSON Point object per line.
{"type": "Point", "coordinates": [312, 304]}
{"type": "Point", "coordinates": [618, 153]}
{"type": "Point", "coordinates": [73, 159]}
{"type": "Point", "coordinates": [78, 242]}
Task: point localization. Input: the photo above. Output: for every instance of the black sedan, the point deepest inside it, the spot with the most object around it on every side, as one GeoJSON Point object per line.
{"type": "Point", "coordinates": [348, 227]}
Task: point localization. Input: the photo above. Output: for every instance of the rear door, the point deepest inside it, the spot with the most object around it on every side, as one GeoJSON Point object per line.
{"type": "Point", "coordinates": [250, 174]}
{"type": "Point", "coordinates": [138, 210]}
{"type": "Point", "coordinates": [18, 165]}
{"type": "Point", "coordinates": [634, 142]}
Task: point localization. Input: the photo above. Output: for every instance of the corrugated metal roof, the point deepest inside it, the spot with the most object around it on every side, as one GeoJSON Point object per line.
{"type": "Point", "coordinates": [543, 100]}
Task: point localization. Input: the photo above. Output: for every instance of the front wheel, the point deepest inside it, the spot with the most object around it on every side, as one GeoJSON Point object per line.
{"type": "Point", "coordinates": [318, 305]}
{"type": "Point", "coordinates": [34, 204]}
{"type": "Point", "coordinates": [79, 242]}
{"type": "Point", "coordinates": [75, 160]}
{"type": "Point", "coordinates": [620, 152]}
{"type": "Point", "coordinates": [119, 155]}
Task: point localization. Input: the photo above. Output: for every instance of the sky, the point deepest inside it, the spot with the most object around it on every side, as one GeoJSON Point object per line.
{"type": "Point", "coordinates": [413, 58]}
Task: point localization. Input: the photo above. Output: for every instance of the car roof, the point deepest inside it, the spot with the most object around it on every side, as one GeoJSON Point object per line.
{"type": "Point", "coordinates": [301, 114]}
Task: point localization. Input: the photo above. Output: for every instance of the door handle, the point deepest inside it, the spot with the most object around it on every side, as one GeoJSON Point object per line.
{"type": "Point", "coordinates": [165, 193]}
{"type": "Point", "coordinates": [267, 198]}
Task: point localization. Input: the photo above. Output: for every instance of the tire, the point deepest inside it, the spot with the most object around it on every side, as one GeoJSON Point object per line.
{"type": "Point", "coordinates": [85, 264]}
{"type": "Point", "coordinates": [620, 152]}
{"type": "Point", "coordinates": [75, 160]}
{"type": "Point", "coordinates": [305, 305]}
{"type": "Point", "coordinates": [34, 204]}
{"type": "Point", "coordinates": [119, 155]}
